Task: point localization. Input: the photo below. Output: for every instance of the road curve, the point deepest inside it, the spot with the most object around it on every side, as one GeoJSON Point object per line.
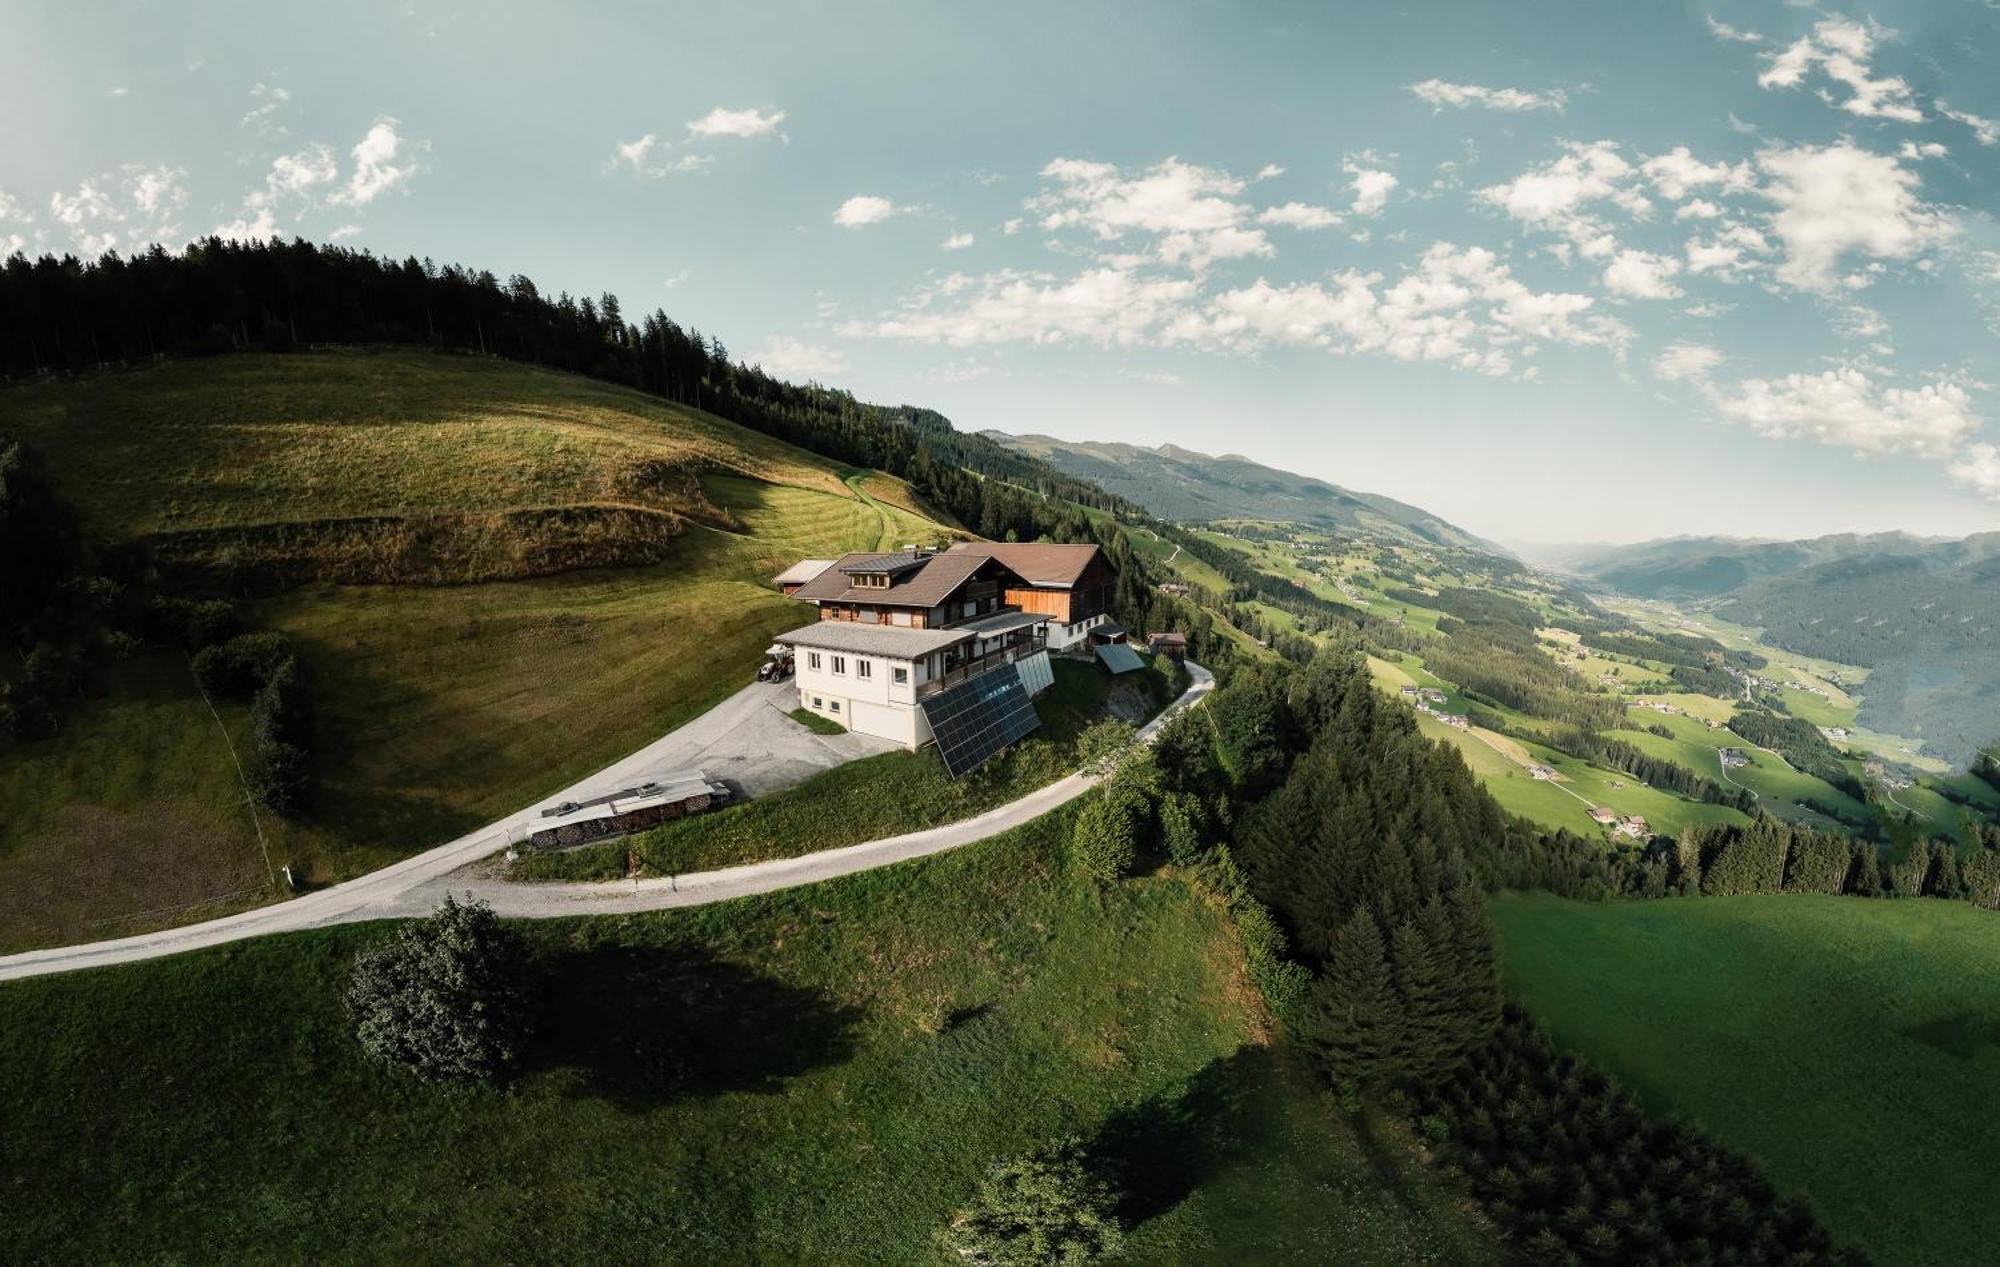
{"type": "Point", "coordinates": [414, 885]}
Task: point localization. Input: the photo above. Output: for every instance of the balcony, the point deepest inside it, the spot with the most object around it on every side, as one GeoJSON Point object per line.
{"type": "Point", "coordinates": [973, 668]}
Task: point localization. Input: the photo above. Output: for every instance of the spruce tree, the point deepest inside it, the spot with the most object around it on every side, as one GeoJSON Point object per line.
{"type": "Point", "coordinates": [1354, 1024]}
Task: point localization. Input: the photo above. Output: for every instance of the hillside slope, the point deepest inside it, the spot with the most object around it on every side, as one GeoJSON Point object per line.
{"type": "Point", "coordinates": [1181, 484]}
{"type": "Point", "coordinates": [309, 483]}
{"type": "Point", "coordinates": [812, 1076]}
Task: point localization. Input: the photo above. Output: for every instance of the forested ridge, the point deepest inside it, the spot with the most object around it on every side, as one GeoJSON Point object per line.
{"type": "Point", "coordinates": [1354, 853]}
{"type": "Point", "coordinates": [71, 316]}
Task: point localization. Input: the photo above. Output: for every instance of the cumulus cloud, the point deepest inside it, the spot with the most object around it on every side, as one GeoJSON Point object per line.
{"type": "Point", "coordinates": [1267, 171]}
{"type": "Point", "coordinates": [788, 357]}
{"type": "Point", "coordinates": [1372, 186]}
{"type": "Point", "coordinates": [1678, 173]}
{"type": "Point", "coordinates": [1642, 275]}
{"type": "Point", "coordinates": [654, 155]}
{"type": "Point", "coordinates": [1841, 49]}
{"type": "Point", "coordinates": [1440, 94]}
{"type": "Point", "coordinates": [957, 242]}
{"type": "Point", "coordinates": [1681, 362]}
{"type": "Point", "coordinates": [1979, 470]}
{"type": "Point", "coordinates": [1834, 199]}
{"type": "Point", "coordinates": [377, 168]}
{"type": "Point", "coordinates": [1106, 306]}
{"type": "Point", "coordinates": [1460, 306]}
{"type": "Point", "coordinates": [292, 183]}
{"type": "Point", "coordinates": [722, 121]}
{"type": "Point", "coordinates": [1557, 196]}
{"type": "Point", "coordinates": [1299, 215]}
{"type": "Point", "coordinates": [1193, 213]}
{"type": "Point", "coordinates": [1848, 407]}
{"type": "Point", "coordinates": [134, 206]}
{"type": "Point", "coordinates": [863, 209]}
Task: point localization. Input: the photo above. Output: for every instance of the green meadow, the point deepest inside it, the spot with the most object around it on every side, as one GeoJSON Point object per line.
{"type": "Point", "coordinates": [1850, 1044]}
{"type": "Point", "coordinates": [811, 1076]}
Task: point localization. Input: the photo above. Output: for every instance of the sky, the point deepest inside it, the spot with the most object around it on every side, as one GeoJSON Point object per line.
{"type": "Point", "coordinates": [1554, 271]}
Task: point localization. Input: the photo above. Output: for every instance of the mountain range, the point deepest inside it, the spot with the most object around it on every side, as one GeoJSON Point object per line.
{"type": "Point", "coordinates": [1183, 485]}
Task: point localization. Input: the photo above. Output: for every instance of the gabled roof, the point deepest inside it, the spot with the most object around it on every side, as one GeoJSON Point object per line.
{"type": "Point", "coordinates": [1039, 563]}
{"type": "Point", "coordinates": [900, 561]}
{"type": "Point", "coordinates": [925, 586]}
{"type": "Point", "coordinates": [802, 571]}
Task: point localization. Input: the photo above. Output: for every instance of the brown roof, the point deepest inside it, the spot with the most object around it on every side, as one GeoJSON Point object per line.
{"type": "Point", "coordinates": [926, 586]}
{"type": "Point", "coordinates": [1039, 563]}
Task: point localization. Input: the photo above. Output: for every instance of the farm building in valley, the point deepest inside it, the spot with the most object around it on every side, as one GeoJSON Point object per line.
{"type": "Point", "coordinates": [900, 631]}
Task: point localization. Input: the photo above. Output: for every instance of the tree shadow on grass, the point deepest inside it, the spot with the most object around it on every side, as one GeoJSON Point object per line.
{"type": "Point", "coordinates": [645, 1026]}
{"type": "Point", "coordinates": [1164, 1148]}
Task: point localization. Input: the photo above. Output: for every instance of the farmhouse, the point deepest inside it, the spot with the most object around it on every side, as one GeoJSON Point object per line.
{"type": "Point", "coordinates": [1542, 771]}
{"type": "Point", "coordinates": [1169, 644]}
{"type": "Point", "coordinates": [1634, 826]}
{"type": "Point", "coordinates": [1602, 816]}
{"type": "Point", "coordinates": [898, 630]}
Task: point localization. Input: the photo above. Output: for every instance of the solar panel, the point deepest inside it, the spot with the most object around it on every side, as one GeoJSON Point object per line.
{"type": "Point", "coordinates": [978, 718]}
{"type": "Point", "coordinates": [1119, 658]}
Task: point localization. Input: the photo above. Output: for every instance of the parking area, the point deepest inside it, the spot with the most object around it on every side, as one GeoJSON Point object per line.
{"type": "Point", "coordinates": [750, 742]}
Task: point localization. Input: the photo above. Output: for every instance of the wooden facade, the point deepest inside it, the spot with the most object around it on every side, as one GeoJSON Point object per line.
{"type": "Point", "coordinates": [1089, 596]}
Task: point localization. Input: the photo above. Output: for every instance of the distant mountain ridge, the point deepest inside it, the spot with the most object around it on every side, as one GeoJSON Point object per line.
{"type": "Point", "coordinates": [1709, 567]}
{"type": "Point", "coordinates": [1922, 613]}
{"type": "Point", "coordinates": [1181, 484]}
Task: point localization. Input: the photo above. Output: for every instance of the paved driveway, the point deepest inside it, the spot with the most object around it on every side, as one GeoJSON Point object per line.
{"type": "Point", "coordinates": [749, 741]}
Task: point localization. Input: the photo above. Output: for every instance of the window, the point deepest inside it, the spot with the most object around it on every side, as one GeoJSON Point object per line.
{"type": "Point", "coordinates": [812, 662]}
{"type": "Point", "coordinates": [818, 702]}
{"type": "Point", "coordinates": [840, 664]}
{"type": "Point", "coordinates": [901, 675]}
{"type": "Point", "coordinates": [835, 707]}
{"type": "Point", "coordinates": [864, 668]}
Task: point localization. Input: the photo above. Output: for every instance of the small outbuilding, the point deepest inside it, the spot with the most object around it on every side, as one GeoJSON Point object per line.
{"type": "Point", "coordinates": [1171, 645]}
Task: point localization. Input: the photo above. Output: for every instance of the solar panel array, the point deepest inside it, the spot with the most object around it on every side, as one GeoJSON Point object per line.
{"type": "Point", "coordinates": [978, 718]}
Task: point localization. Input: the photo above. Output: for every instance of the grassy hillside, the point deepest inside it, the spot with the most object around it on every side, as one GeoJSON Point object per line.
{"type": "Point", "coordinates": [814, 1076]}
{"type": "Point", "coordinates": [1850, 1044]}
{"type": "Point", "coordinates": [439, 706]}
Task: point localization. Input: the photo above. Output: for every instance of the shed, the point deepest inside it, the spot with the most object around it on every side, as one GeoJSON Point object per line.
{"type": "Point", "coordinates": [1119, 657]}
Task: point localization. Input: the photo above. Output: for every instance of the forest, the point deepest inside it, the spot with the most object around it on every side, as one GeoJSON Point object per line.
{"type": "Point", "coordinates": [1370, 847]}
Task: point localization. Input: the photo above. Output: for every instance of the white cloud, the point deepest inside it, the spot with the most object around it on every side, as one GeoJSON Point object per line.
{"type": "Point", "coordinates": [127, 209]}
{"type": "Point", "coordinates": [300, 173]}
{"type": "Point", "coordinates": [863, 209]}
{"type": "Point", "coordinates": [1372, 186]}
{"type": "Point", "coordinates": [344, 232]}
{"type": "Point", "coordinates": [1985, 131]}
{"type": "Point", "coordinates": [1699, 209]}
{"type": "Point", "coordinates": [1678, 173]}
{"type": "Point", "coordinates": [957, 242]}
{"type": "Point", "coordinates": [269, 100]}
{"type": "Point", "coordinates": [1684, 361]}
{"type": "Point", "coordinates": [1106, 306]}
{"type": "Point", "coordinates": [1929, 149]}
{"type": "Point", "coordinates": [1837, 198]}
{"type": "Point", "coordinates": [376, 169]}
{"type": "Point", "coordinates": [1441, 94]}
{"type": "Point", "coordinates": [1457, 305]}
{"type": "Point", "coordinates": [1193, 212]}
{"type": "Point", "coordinates": [1011, 227]}
{"type": "Point", "coordinates": [1267, 171]}
{"type": "Point", "coordinates": [1299, 215]}
{"type": "Point", "coordinates": [725, 122]}
{"type": "Point", "coordinates": [792, 358]}
{"type": "Point", "coordinates": [1724, 31]}
{"type": "Point", "coordinates": [1642, 275]}
{"type": "Point", "coordinates": [1979, 470]}
{"type": "Point", "coordinates": [1848, 408]}
{"type": "Point", "coordinates": [1841, 49]}
{"type": "Point", "coordinates": [1556, 195]}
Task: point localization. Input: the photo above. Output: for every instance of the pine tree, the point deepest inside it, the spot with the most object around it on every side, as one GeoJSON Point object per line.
{"type": "Point", "coordinates": [1353, 1022]}
{"type": "Point", "coordinates": [1867, 878]}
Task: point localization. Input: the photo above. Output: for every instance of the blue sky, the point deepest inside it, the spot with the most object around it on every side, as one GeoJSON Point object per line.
{"type": "Point", "coordinates": [1554, 271]}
